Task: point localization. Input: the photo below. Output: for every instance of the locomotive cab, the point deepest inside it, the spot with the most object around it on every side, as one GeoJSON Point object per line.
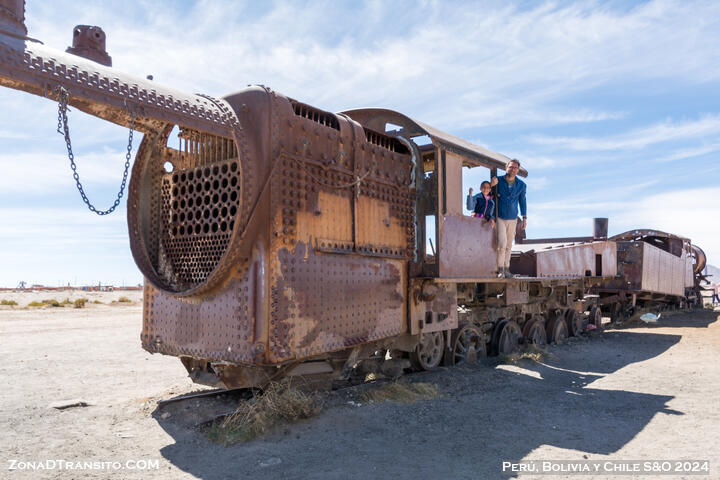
{"type": "Point", "coordinates": [448, 243]}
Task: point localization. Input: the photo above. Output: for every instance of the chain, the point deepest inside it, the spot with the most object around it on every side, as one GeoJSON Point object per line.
{"type": "Point", "coordinates": [63, 129]}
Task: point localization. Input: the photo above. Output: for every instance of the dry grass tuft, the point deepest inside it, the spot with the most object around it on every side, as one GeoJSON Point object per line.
{"type": "Point", "coordinates": [402, 392]}
{"type": "Point", "coordinates": [124, 300]}
{"type": "Point", "coordinates": [532, 353]}
{"type": "Point", "coordinates": [66, 302]}
{"type": "Point", "coordinates": [10, 303]}
{"type": "Point", "coordinates": [45, 303]}
{"type": "Point", "coordinates": [80, 302]}
{"type": "Point", "coordinates": [279, 403]}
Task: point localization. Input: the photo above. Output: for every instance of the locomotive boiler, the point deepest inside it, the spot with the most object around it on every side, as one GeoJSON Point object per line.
{"type": "Point", "coordinates": [280, 239]}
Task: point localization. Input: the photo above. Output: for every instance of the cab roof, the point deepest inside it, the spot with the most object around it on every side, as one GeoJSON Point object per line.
{"type": "Point", "coordinates": [474, 155]}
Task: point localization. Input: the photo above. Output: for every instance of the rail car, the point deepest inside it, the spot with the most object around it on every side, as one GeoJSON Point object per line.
{"type": "Point", "coordinates": [655, 270]}
{"type": "Point", "coordinates": [280, 239]}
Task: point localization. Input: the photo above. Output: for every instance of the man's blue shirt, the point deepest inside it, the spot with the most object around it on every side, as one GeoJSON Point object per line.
{"type": "Point", "coordinates": [510, 197]}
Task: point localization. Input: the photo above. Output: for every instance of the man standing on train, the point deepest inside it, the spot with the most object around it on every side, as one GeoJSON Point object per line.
{"type": "Point", "coordinates": [510, 194]}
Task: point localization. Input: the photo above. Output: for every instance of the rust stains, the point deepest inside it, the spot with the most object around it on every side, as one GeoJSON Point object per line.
{"type": "Point", "coordinates": [221, 329]}
{"type": "Point", "coordinates": [466, 247]}
{"type": "Point", "coordinates": [325, 302]}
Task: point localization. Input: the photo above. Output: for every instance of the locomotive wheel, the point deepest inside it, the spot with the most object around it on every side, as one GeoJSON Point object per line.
{"type": "Point", "coordinates": [534, 332]}
{"type": "Point", "coordinates": [506, 337]}
{"type": "Point", "coordinates": [618, 313]}
{"type": "Point", "coordinates": [468, 345]}
{"type": "Point", "coordinates": [495, 335]}
{"type": "Point", "coordinates": [575, 323]}
{"type": "Point", "coordinates": [595, 318]}
{"type": "Point", "coordinates": [429, 352]}
{"type": "Point", "coordinates": [557, 330]}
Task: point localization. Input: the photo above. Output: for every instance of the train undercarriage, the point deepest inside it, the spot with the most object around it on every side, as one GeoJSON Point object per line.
{"type": "Point", "coordinates": [496, 317]}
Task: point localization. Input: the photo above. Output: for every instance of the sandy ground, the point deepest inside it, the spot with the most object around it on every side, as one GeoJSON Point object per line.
{"type": "Point", "coordinates": [642, 393]}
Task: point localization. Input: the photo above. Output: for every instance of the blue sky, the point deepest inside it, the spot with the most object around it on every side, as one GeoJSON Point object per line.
{"type": "Point", "coordinates": [613, 107]}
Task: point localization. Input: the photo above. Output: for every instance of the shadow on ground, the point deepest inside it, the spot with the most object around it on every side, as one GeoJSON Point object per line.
{"type": "Point", "coordinates": [486, 415]}
{"type": "Point", "coordinates": [698, 319]}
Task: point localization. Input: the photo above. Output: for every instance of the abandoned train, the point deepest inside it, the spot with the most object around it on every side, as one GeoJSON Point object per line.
{"type": "Point", "coordinates": [280, 239]}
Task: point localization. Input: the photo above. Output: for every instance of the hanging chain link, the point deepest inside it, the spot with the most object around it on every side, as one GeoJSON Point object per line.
{"type": "Point", "coordinates": [63, 129]}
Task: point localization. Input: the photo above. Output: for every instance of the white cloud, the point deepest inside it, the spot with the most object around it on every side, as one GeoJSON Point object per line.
{"type": "Point", "coordinates": [8, 135]}
{"type": "Point", "coordinates": [687, 153]}
{"type": "Point", "coordinates": [668, 131]}
{"type": "Point", "coordinates": [43, 172]}
{"type": "Point", "coordinates": [54, 246]}
{"type": "Point", "coordinates": [453, 64]}
{"type": "Point", "coordinates": [686, 212]}
{"type": "Point", "coordinates": [65, 224]}
{"type": "Point", "coordinates": [690, 213]}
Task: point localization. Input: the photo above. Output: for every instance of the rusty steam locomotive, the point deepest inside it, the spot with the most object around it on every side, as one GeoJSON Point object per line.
{"type": "Point", "coordinates": [280, 239]}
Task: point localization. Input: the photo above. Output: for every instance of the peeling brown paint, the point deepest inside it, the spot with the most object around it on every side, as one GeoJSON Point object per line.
{"type": "Point", "coordinates": [325, 302]}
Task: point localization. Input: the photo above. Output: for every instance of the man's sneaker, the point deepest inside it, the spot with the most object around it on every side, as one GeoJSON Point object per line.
{"type": "Point", "coordinates": [501, 273]}
{"type": "Point", "coordinates": [508, 274]}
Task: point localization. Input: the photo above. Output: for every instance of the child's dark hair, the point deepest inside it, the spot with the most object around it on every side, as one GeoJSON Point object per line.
{"type": "Point", "coordinates": [483, 183]}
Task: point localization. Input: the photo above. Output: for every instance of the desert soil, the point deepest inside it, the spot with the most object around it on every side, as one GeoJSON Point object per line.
{"type": "Point", "coordinates": [641, 392]}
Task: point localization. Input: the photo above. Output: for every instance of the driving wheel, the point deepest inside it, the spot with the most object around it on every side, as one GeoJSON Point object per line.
{"type": "Point", "coordinates": [556, 329]}
{"type": "Point", "coordinates": [468, 345]}
{"type": "Point", "coordinates": [506, 337]}
{"type": "Point", "coordinates": [429, 352]}
{"type": "Point", "coordinates": [534, 331]}
{"type": "Point", "coordinates": [575, 323]}
{"type": "Point", "coordinates": [595, 318]}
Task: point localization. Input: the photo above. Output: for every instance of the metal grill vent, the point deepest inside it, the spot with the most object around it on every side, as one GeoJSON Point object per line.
{"type": "Point", "coordinates": [389, 143]}
{"type": "Point", "coordinates": [198, 211]}
{"type": "Point", "coordinates": [318, 116]}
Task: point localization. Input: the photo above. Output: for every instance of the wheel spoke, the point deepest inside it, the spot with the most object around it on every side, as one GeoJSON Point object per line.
{"type": "Point", "coordinates": [467, 345]}
{"type": "Point", "coordinates": [429, 351]}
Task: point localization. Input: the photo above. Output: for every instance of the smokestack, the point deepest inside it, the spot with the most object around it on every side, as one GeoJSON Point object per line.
{"type": "Point", "coordinates": [601, 228]}
{"type": "Point", "coordinates": [12, 17]}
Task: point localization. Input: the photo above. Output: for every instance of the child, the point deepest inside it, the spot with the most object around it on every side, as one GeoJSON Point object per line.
{"type": "Point", "coordinates": [483, 204]}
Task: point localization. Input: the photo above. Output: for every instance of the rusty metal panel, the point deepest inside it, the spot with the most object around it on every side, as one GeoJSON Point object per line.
{"type": "Point", "coordinates": [564, 261]}
{"type": "Point", "coordinates": [438, 312]}
{"type": "Point", "coordinates": [453, 183]}
{"type": "Point", "coordinates": [329, 219]}
{"type": "Point", "coordinates": [675, 281]}
{"type": "Point", "coordinates": [524, 263]}
{"type": "Point", "coordinates": [651, 260]}
{"type": "Point", "coordinates": [466, 247]}
{"type": "Point", "coordinates": [377, 228]}
{"type": "Point", "coordinates": [689, 278]}
{"type": "Point", "coordinates": [678, 274]}
{"type": "Point", "coordinates": [516, 293]}
{"type": "Point", "coordinates": [665, 264]}
{"type": "Point", "coordinates": [355, 199]}
{"type": "Point", "coordinates": [326, 302]}
{"type": "Point", "coordinates": [608, 250]}
{"type": "Point", "coordinates": [663, 272]}
{"type": "Point", "coordinates": [577, 260]}
{"type": "Point", "coordinates": [631, 259]}
{"type": "Point", "coordinates": [221, 329]}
